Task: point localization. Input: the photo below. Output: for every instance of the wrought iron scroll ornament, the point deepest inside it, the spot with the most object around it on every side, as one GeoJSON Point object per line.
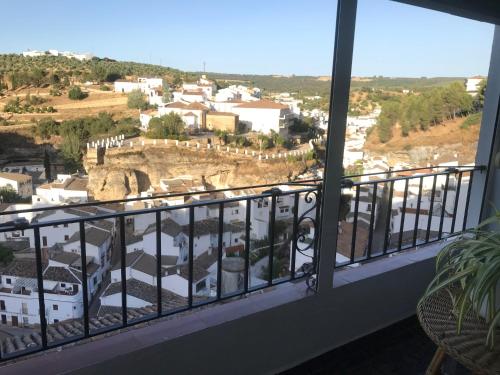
{"type": "Point", "coordinates": [308, 221]}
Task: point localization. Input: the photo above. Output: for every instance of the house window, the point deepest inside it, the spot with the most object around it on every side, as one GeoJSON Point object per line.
{"type": "Point", "coordinates": [55, 307]}
{"type": "Point", "coordinates": [65, 225]}
{"type": "Point", "coordinates": [235, 240]}
{"type": "Point", "coordinates": [44, 241]}
{"type": "Point", "coordinates": [56, 226]}
{"type": "Point", "coordinates": [2, 305]}
{"type": "Point", "coordinates": [8, 281]}
{"type": "Point", "coordinates": [201, 285]}
{"type": "Point", "coordinates": [25, 321]}
{"type": "Point", "coordinates": [369, 207]}
{"type": "Point", "coordinates": [236, 212]}
{"type": "Point", "coordinates": [66, 237]}
{"type": "Point", "coordinates": [63, 285]}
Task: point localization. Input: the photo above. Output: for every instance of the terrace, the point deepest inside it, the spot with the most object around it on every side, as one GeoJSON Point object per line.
{"type": "Point", "coordinates": [338, 271]}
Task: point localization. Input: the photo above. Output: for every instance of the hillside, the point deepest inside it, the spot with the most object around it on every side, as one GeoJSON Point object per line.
{"type": "Point", "coordinates": [19, 71]}
{"type": "Point", "coordinates": [312, 85]}
{"type": "Point", "coordinates": [443, 141]}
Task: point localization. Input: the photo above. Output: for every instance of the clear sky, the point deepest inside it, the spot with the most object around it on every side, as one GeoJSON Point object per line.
{"type": "Point", "coordinates": [258, 36]}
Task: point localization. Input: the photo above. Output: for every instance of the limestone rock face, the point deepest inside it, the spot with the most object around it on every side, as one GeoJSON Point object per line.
{"type": "Point", "coordinates": [111, 183]}
{"type": "Point", "coordinates": [130, 172]}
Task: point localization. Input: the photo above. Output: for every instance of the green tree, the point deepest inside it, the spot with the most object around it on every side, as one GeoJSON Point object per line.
{"type": "Point", "coordinates": [481, 90]}
{"type": "Point", "coordinates": [74, 133]}
{"type": "Point", "coordinates": [167, 126]}
{"type": "Point", "coordinates": [76, 93]}
{"type": "Point", "coordinates": [9, 195]}
{"type": "Point", "coordinates": [6, 255]}
{"type": "Point", "coordinates": [46, 128]}
{"type": "Point", "coordinates": [137, 100]}
{"type": "Point", "coordinates": [223, 136]}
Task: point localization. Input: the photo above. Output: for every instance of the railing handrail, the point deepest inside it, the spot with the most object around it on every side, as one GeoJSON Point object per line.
{"type": "Point", "coordinates": [450, 170]}
{"type": "Point", "coordinates": [159, 196]}
{"type": "Point", "coordinates": [267, 194]}
{"type": "Point", "coordinates": [212, 191]}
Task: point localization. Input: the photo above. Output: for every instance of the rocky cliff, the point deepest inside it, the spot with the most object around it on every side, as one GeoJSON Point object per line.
{"type": "Point", "coordinates": [132, 171]}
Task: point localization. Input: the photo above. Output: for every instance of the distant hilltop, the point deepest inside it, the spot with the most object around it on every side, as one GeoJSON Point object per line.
{"type": "Point", "coordinates": [54, 52]}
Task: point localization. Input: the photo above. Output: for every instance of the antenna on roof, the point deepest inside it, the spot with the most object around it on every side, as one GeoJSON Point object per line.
{"type": "Point", "coordinates": [204, 66]}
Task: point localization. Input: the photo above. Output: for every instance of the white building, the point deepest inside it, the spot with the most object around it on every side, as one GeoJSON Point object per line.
{"type": "Point", "coordinates": [143, 83]}
{"type": "Point", "coordinates": [98, 245]}
{"type": "Point", "coordinates": [472, 84]}
{"type": "Point", "coordinates": [66, 189]}
{"type": "Point", "coordinates": [20, 183]}
{"type": "Point", "coordinates": [34, 169]}
{"type": "Point", "coordinates": [237, 92]}
{"type": "Point", "coordinates": [19, 294]}
{"type": "Point", "coordinates": [264, 116]}
{"type": "Point", "coordinates": [193, 113]}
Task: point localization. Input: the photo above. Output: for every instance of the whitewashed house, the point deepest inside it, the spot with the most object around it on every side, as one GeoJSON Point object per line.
{"type": "Point", "coordinates": [65, 189]}
{"type": "Point", "coordinates": [193, 114]}
{"type": "Point", "coordinates": [98, 246]}
{"type": "Point", "coordinates": [19, 294]}
{"type": "Point", "coordinates": [472, 84]}
{"type": "Point", "coordinates": [264, 116]}
{"type": "Point", "coordinates": [20, 183]}
{"type": "Point", "coordinates": [143, 83]}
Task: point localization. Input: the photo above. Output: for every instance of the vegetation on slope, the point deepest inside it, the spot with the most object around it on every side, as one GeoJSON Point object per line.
{"type": "Point", "coordinates": [17, 71]}
{"type": "Point", "coordinates": [77, 132]}
{"type": "Point", "coordinates": [421, 111]}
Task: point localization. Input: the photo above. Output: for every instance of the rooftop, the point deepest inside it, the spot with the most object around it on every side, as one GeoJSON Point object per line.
{"type": "Point", "coordinates": [262, 104]}
{"type": "Point", "coordinates": [18, 177]}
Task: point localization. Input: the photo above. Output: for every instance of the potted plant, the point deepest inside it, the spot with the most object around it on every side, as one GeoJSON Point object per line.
{"type": "Point", "coordinates": [469, 270]}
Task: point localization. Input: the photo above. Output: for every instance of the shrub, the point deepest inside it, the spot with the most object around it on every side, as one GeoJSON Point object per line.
{"type": "Point", "coordinates": [105, 88]}
{"type": "Point", "coordinates": [167, 126]}
{"type": "Point", "coordinates": [46, 128]}
{"type": "Point", "coordinates": [6, 255]}
{"type": "Point", "coordinates": [474, 119]}
{"type": "Point", "coordinates": [76, 93]}
{"type": "Point", "coordinates": [55, 92]}
{"type": "Point", "coordinates": [136, 100]}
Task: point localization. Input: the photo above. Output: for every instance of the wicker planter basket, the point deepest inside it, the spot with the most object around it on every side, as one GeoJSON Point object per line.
{"type": "Point", "coordinates": [468, 348]}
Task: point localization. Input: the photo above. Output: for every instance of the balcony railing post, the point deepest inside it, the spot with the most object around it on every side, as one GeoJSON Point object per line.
{"type": "Point", "coordinates": [272, 221]}
{"type": "Point", "coordinates": [294, 234]}
{"type": "Point", "coordinates": [444, 196]}
{"type": "Point", "coordinates": [219, 250]}
{"type": "Point", "coordinates": [39, 276]}
{"type": "Point", "coordinates": [339, 103]}
{"type": "Point", "coordinates": [247, 244]}
{"type": "Point", "coordinates": [355, 225]}
{"type": "Point", "coordinates": [123, 266]}
{"type": "Point", "coordinates": [467, 200]}
{"type": "Point", "coordinates": [403, 214]}
{"type": "Point", "coordinates": [388, 216]}
{"type": "Point", "coordinates": [455, 205]}
{"type": "Point", "coordinates": [190, 256]}
{"type": "Point", "coordinates": [431, 209]}
{"type": "Point", "coordinates": [372, 221]}
{"type": "Point", "coordinates": [158, 265]}
{"type": "Point", "coordinates": [83, 254]}
{"type": "Point", "coordinates": [417, 212]}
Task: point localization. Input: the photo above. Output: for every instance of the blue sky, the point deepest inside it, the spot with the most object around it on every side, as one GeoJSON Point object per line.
{"type": "Point", "coordinates": [259, 36]}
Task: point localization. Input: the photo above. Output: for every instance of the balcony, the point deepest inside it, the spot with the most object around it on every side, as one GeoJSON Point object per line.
{"type": "Point", "coordinates": [334, 272]}
{"type": "Point", "coordinates": [364, 236]}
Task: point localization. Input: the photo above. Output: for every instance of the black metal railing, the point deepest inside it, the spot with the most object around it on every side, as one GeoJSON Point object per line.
{"type": "Point", "coordinates": [304, 198]}
{"type": "Point", "coordinates": [401, 210]}
{"type": "Point", "coordinates": [385, 215]}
